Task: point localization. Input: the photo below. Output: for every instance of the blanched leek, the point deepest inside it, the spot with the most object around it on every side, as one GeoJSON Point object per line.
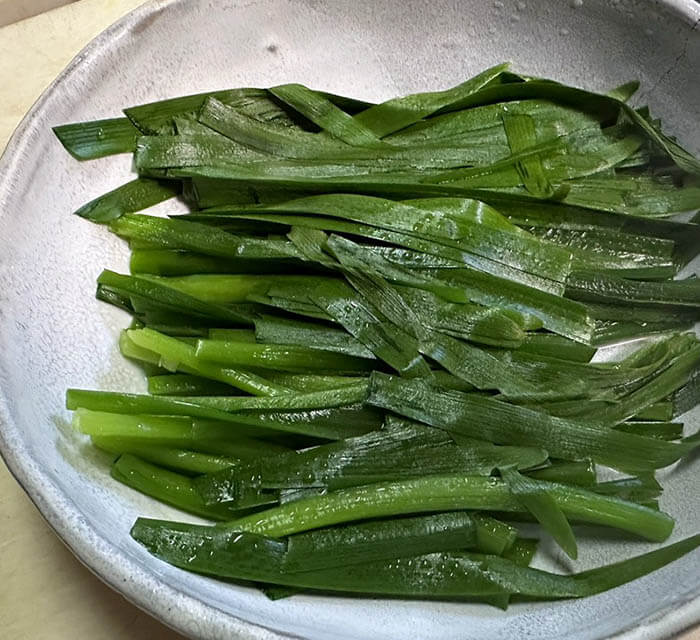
{"type": "Point", "coordinates": [373, 339]}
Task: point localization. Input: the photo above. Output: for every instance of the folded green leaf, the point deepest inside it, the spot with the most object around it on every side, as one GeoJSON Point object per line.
{"type": "Point", "coordinates": [379, 540]}
{"type": "Point", "coordinates": [397, 113]}
{"type": "Point", "coordinates": [98, 138]}
{"type": "Point", "coordinates": [322, 112]}
{"type": "Point", "coordinates": [247, 556]}
{"type": "Point", "coordinates": [400, 450]}
{"type": "Point", "coordinates": [489, 419]}
{"type": "Point", "coordinates": [168, 233]}
{"type": "Point", "coordinates": [133, 196]}
{"type": "Point", "coordinates": [539, 502]}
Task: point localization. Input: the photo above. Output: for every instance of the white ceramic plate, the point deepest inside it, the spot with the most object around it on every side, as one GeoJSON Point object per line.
{"type": "Point", "coordinates": [53, 334]}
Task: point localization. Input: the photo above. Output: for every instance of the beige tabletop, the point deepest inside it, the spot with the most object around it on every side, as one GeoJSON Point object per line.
{"type": "Point", "coordinates": [45, 593]}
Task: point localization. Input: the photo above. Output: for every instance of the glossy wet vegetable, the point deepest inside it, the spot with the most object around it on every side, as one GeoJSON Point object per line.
{"type": "Point", "coordinates": [372, 342]}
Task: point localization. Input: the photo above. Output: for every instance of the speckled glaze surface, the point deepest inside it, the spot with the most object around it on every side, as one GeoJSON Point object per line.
{"type": "Point", "coordinates": [53, 334]}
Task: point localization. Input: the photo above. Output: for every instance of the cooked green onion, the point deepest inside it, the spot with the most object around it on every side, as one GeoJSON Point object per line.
{"type": "Point", "coordinates": [372, 340]}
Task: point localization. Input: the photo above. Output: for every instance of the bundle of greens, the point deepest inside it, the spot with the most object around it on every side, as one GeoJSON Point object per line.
{"type": "Point", "coordinates": [370, 343]}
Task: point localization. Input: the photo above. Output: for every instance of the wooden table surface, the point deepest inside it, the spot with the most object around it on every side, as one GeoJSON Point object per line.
{"type": "Point", "coordinates": [45, 593]}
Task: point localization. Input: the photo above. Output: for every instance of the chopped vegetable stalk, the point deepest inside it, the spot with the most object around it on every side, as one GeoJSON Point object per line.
{"type": "Point", "coordinates": [478, 242]}
{"type": "Point", "coordinates": [175, 353]}
{"type": "Point", "coordinates": [167, 486]}
{"type": "Point", "coordinates": [582, 474]}
{"type": "Point", "coordinates": [442, 493]}
{"type": "Point", "coordinates": [326, 424]}
{"type": "Point", "coordinates": [178, 459]}
{"type": "Point", "coordinates": [182, 384]}
{"type": "Point", "coordinates": [290, 358]}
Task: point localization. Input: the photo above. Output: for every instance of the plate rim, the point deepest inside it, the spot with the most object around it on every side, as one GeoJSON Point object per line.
{"type": "Point", "coordinates": [120, 571]}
